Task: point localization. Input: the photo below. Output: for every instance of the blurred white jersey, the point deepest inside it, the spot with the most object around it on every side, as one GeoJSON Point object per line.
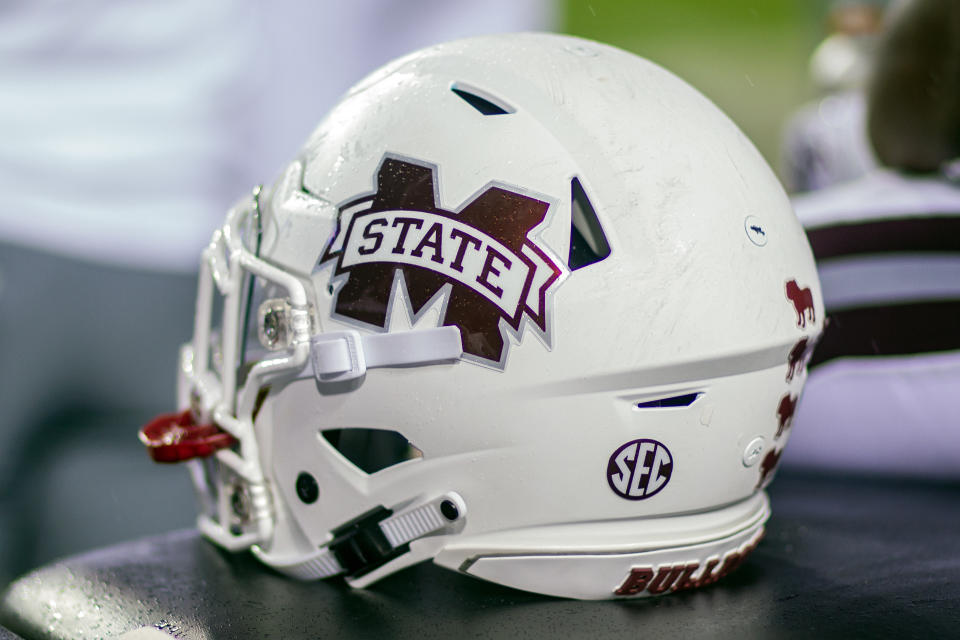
{"type": "Point", "coordinates": [825, 143]}
{"type": "Point", "coordinates": [129, 128]}
{"type": "Point", "coordinates": [882, 394]}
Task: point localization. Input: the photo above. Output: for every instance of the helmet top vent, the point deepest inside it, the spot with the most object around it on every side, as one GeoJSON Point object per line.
{"type": "Point", "coordinates": [481, 101]}
{"type": "Point", "coordinates": [588, 243]}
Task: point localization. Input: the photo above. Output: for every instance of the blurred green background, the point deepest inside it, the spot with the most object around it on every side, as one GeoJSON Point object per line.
{"type": "Point", "coordinates": [749, 56]}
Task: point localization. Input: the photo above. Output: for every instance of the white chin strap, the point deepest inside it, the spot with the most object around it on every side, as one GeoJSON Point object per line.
{"type": "Point", "coordinates": [373, 539]}
{"type": "Point", "coordinates": [346, 355]}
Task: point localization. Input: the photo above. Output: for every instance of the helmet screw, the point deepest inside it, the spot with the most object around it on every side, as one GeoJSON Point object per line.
{"type": "Point", "coordinates": [756, 230]}
{"type": "Point", "coordinates": [449, 510]}
{"type": "Point", "coordinates": [240, 502]}
{"type": "Point", "coordinates": [753, 452]}
{"type": "Point", "coordinates": [272, 326]}
{"type": "Point", "coordinates": [307, 489]}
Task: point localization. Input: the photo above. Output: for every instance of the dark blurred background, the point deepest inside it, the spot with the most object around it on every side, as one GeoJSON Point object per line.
{"type": "Point", "coordinates": [129, 129]}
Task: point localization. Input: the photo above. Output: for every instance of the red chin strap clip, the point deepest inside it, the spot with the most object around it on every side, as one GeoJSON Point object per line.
{"type": "Point", "coordinates": [175, 437]}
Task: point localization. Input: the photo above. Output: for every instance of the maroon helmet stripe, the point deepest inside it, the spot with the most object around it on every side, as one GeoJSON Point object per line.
{"type": "Point", "coordinates": [924, 234]}
{"type": "Point", "coordinates": [902, 329]}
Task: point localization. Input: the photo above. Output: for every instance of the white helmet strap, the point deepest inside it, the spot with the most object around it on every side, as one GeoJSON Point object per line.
{"type": "Point", "coordinates": [345, 355]}
{"type": "Point", "coordinates": [373, 539]}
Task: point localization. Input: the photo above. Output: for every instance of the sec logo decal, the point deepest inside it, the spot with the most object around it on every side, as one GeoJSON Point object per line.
{"type": "Point", "coordinates": [639, 469]}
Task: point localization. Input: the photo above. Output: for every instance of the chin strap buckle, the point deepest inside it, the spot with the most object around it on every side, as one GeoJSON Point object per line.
{"type": "Point", "coordinates": [360, 545]}
{"type": "Point", "coordinates": [337, 356]}
{"type": "Point", "coordinates": [374, 538]}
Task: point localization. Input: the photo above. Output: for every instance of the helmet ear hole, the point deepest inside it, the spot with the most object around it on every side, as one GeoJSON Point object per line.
{"type": "Point", "coordinates": [372, 450]}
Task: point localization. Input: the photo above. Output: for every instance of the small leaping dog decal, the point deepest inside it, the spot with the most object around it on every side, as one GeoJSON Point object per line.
{"type": "Point", "coordinates": [785, 411]}
{"type": "Point", "coordinates": [798, 358]}
{"type": "Point", "coordinates": [802, 299]}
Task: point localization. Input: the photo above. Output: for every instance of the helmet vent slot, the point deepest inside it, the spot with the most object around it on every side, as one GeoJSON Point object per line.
{"type": "Point", "coordinates": [372, 450]}
{"type": "Point", "coordinates": [685, 400]}
{"type": "Point", "coordinates": [481, 101]}
{"type": "Point", "coordinates": [588, 243]}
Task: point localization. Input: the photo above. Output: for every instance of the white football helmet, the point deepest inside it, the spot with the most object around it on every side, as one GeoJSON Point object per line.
{"type": "Point", "coordinates": [525, 305]}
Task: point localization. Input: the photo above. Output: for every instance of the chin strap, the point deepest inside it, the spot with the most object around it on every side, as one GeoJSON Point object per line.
{"type": "Point", "coordinates": [346, 355]}
{"type": "Point", "coordinates": [374, 539]}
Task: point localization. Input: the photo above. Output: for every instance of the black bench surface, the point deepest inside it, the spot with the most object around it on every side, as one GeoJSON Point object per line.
{"type": "Point", "coordinates": [844, 557]}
